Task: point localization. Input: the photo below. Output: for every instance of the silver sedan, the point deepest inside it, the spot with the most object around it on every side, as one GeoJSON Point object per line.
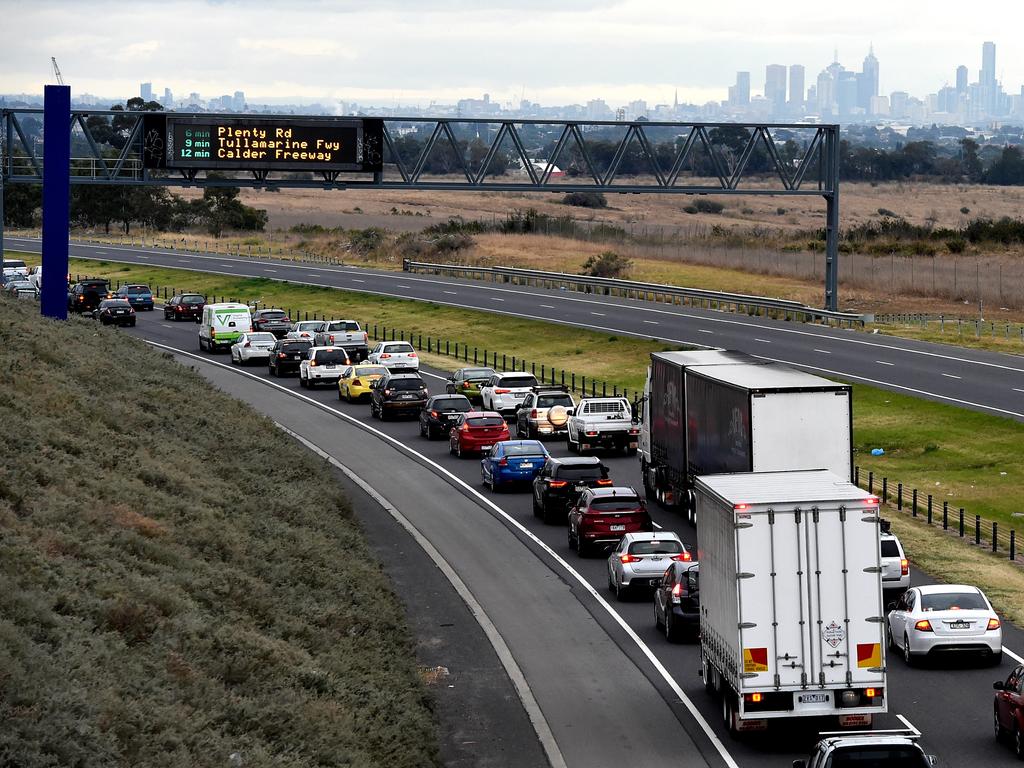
{"type": "Point", "coordinates": [640, 560]}
{"type": "Point", "coordinates": [253, 346]}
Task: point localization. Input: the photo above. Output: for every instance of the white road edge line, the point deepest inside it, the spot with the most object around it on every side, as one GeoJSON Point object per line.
{"type": "Point", "coordinates": [508, 661]}
{"type": "Point", "coordinates": [511, 521]}
{"type": "Point", "coordinates": [1016, 657]}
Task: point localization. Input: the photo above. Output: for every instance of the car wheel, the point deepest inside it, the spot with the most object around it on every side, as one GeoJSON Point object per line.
{"type": "Point", "coordinates": [537, 510]}
{"type": "Point", "coordinates": [572, 540]}
{"type": "Point", "coordinates": [340, 396]}
{"type": "Point", "coordinates": [1018, 743]}
{"type": "Point", "coordinates": [302, 381]}
{"type": "Point", "coordinates": [890, 641]}
{"type": "Point", "coordinates": [620, 593]}
{"type": "Point", "coordinates": [423, 430]}
{"type": "Point", "coordinates": [671, 632]}
{"type": "Point", "coordinates": [658, 623]}
{"type": "Point", "coordinates": [908, 657]}
{"type": "Point", "coordinates": [458, 449]}
{"type": "Point", "coordinates": [451, 448]}
{"type": "Point", "coordinates": [996, 659]}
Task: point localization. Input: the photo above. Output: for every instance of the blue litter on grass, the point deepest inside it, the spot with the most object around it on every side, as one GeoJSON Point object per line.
{"type": "Point", "coordinates": [877, 451]}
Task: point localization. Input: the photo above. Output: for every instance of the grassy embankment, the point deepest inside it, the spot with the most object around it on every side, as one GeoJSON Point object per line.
{"type": "Point", "coordinates": [166, 600]}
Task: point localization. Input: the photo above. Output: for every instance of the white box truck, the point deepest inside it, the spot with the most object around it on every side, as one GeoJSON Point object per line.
{"type": "Point", "coordinates": [713, 411]}
{"type": "Point", "coordinates": [791, 612]}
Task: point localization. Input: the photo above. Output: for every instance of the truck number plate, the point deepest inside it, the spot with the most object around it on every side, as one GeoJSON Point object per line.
{"type": "Point", "coordinates": [813, 698]}
{"type": "Point", "coordinates": [618, 527]}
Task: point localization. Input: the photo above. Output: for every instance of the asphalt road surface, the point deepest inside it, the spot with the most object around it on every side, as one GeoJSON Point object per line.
{"type": "Point", "coordinates": [984, 381]}
{"type": "Point", "coordinates": [611, 689]}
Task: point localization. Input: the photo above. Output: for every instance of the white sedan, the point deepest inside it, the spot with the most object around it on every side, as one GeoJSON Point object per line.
{"type": "Point", "coordinates": [640, 560]}
{"type": "Point", "coordinates": [944, 618]}
{"type": "Point", "coordinates": [252, 346]}
{"type": "Point", "coordinates": [395, 355]}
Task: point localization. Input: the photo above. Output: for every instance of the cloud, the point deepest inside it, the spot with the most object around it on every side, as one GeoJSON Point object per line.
{"type": "Point", "coordinates": [296, 46]}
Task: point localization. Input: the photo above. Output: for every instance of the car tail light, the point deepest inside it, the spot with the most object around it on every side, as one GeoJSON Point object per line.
{"type": "Point", "coordinates": [683, 557]}
{"type": "Point", "coordinates": [923, 626]}
{"type": "Point", "coordinates": [281, 355]}
{"type": "Point", "coordinates": [993, 624]}
{"type": "Point", "coordinates": [558, 483]}
{"type": "Point", "coordinates": [81, 298]}
{"type": "Point", "coordinates": [502, 391]}
{"type": "Point", "coordinates": [588, 433]}
{"type": "Point", "coordinates": [366, 338]}
{"type": "Point", "coordinates": [384, 356]}
{"type": "Point", "coordinates": [628, 558]}
{"type": "Point", "coordinates": [464, 428]}
{"type": "Point", "coordinates": [465, 385]}
{"type": "Point", "coordinates": [387, 393]}
{"type": "Point", "coordinates": [312, 362]}
{"type": "Point", "coordinates": [178, 308]}
{"type": "Point", "coordinates": [356, 383]}
{"type": "Point", "coordinates": [434, 414]}
{"type": "Point", "coordinates": [533, 414]}
{"type": "Point", "coordinates": [503, 463]}
{"type": "Point", "coordinates": [605, 481]}
{"type": "Point", "coordinates": [904, 566]}
{"type": "Point", "coordinates": [411, 354]}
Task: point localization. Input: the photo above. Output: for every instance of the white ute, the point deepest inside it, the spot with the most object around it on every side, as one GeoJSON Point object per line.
{"type": "Point", "coordinates": [603, 422]}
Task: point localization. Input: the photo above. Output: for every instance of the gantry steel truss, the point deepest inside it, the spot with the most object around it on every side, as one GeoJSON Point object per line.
{"type": "Point", "coordinates": [674, 157]}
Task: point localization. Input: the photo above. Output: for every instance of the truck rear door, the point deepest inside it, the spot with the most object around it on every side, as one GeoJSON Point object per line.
{"type": "Point", "coordinates": [808, 598]}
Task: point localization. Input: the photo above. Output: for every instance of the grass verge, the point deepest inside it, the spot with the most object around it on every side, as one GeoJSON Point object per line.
{"type": "Point", "coordinates": [166, 599]}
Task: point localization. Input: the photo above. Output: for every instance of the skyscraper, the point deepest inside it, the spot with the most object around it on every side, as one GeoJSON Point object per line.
{"type": "Point", "coordinates": [775, 87]}
{"type": "Point", "coordinates": [961, 79]}
{"type": "Point", "coordinates": [146, 91]}
{"type": "Point", "coordinates": [867, 83]}
{"type": "Point", "coordinates": [743, 88]}
{"type": "Point", "coordinates": [796, 88]}
{"type": "Point", "coordinates": [987, 78]}
{"type": "Point", "coordinates": [168, 98]}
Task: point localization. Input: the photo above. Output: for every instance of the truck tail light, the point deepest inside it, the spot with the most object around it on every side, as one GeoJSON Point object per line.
{"type": "Point", "coordinates": [993, 624]}
{"type": "Point", "coordinates": [739, 507]}
{"type": "Point", "coordinates": [683, 557]}
{"type": "Point", "coordinates": [923, 626]}
{"type": "Point", "coordinates": [870, 692]}
{"type": "Point", "coordinates": [213, 333]}
{"type": "Point", "coordinates": [590, 433]}
{"type": "Point", "coordinates": [904, 566]}
{"type": "Point", "coordinates": [753, 698]}
{"type": "Point", "coordinates": [628, 558]}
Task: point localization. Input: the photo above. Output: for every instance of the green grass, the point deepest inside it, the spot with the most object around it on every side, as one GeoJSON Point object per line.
{"type": "Point", "coordinates": [166, 599]}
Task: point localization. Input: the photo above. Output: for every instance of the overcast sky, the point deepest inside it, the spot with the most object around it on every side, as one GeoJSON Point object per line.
{"type": "Point", "coordinates": [385, 52]}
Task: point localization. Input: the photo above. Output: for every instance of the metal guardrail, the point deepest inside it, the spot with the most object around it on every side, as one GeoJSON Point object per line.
{"type": "Point", "coordinates": [657, 292]}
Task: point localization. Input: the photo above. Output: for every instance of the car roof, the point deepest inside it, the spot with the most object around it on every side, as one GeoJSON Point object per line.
{"type": "Point", "coordinates": [577, 461]}
{"type": "Point", "coordinates": [405, 376]}
{"type": "Point", "coordinates": [449, 397]}
{"type": "Point", "coordinates": [293, 340]}
{"type": "Point", "coordinates": [942, 589]}
{"type": "Point", "coordinates": [615, 490]}
{"type": "Point", "coordinates": [530, 443]}
{"type": "Point", "coordinates": [326, 348]}
{"type": "Point", "coordinates": [866, 739]}
{"type": "Point", "coordinates": [481, 414]}
{"type": "Point", "coordinates": [656, 536]}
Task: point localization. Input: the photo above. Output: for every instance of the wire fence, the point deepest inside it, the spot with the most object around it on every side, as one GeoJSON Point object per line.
{"type": "Point", "coordinates": [957, 327]}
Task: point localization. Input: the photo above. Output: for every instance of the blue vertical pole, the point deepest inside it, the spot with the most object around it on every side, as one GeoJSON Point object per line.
{"type": "Point", "coordinates": [56, 199]}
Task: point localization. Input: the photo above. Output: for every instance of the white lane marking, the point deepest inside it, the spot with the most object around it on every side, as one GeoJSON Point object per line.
{"type": "Point", "coordinates": [598, 314]}
{"type": "Point", "coordinates": [99, 251]}
{"type": "Point", "coordinates": [823, 351]}
{"type": "Point", "coordinates": [143, 257]}
{"type": "Point", "coordinates": [882, 362]}
{"type": "Point", "coordinates": [357, 281]}
{"type": "Point", "coordinates": [909, 724]}
{"type": "Point", "coordinates": [451, 293]}
{"type": "Point", "coordinates": [267, 269]}
{"type": "Point", "coordinates": [504, 653]}
{"type": "Point", "coordinates": [398, 286]}
{"type": "Point", "coordinates": [510, 521]}
{"type": "Point", "coordinates": [495, 298]}
{"type": "Point", "coordinates": [680, 314]}
{"type": "Point", "coordinates": [166, 325]}
{"type": "Point", "coordinates": [704, 330]}
{"type": "Point", "coordinates": [183, 261]}
{"type": "Point", "coordinates": [951, 376]}
{"type": "Point", "coordinates": [651, 322]}
{"type": "Point", "coordinates": [226, 266]}
{"type": "Point", "coordinates": [1017, 390]}
{"type": "Point", "coordinates": [1019, 659]}
{"type": "Point", "coordinates": [312, 275]}
{"type": "Point", "coordinates": [763, 341]}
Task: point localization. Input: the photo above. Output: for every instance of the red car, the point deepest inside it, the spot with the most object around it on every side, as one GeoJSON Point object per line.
{"type": "Point", "coordinates": [602, 516]}
{"type": "Point", "coordinates": [476, 432]}
{"type": "Point", "coordinates": [1009, 709]}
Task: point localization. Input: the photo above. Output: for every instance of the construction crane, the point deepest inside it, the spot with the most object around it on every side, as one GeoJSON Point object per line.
{"type": "Point", "coordinates": [56, 70]}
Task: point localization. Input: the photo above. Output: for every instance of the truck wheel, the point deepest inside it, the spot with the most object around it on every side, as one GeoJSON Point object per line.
{"type": "Point", "coordinates": [728, 716]}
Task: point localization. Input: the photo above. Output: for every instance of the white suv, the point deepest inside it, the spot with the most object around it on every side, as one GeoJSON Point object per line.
{"type": "Point", "coordinates": [394, 355]}
{"type": "Point", "coordinates": [322, 365]}
{"type": "Point", "coordinates": [895, 566]}
{"type": "Point", "coordinates": [505, 392]}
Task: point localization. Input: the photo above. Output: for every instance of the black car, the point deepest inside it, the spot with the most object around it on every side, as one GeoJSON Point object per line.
{"type": "Point", "coordinates": [677, 602]}
{"type": "Point", "coordinates": [86, 295]}
{"type": "Point", "coordinates": [115, 311]}
{"type": "Point", "coordinates": [185, 306]}
{"type": "Point", "coordinates": [397, 394]}
{"type": "Point", "coordinates": [439, 413]}
{"type": "Point", "coordinates": [274, 321]}
{"type": "Point", "coordinates": [287, 354]}
{"type": "Point", "coordinates": [555, 487]}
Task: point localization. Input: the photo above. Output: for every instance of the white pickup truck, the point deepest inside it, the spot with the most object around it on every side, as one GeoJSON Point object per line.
{"type": "Point", "coordinates": [603, 422]}
{"type": "Point", "coordinates": [345, 334]}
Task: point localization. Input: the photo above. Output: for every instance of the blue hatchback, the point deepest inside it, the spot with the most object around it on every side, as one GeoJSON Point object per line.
{"type": "Point", "coordinates": [512, 461]}
{"type": "Point", "coordinates": [139, 296]}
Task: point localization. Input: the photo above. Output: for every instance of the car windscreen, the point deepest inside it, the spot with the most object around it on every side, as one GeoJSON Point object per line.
{"type": "Point", "coordinates": [517, 381]}
{"type": "Point", "coordinates": [117, 304]}
{"type": "Point", "coordinates": [656, 547]}
{"type": "Point", "coordinates": [297, 346]}
{"type": "Point", "coordinates": [133, 290]}
{"type": "Point", "coordinates": [890, 548]}
{"type": "Point", "coordinates": [485, 421]}
{"type": "Point", "coordinates": [518, 449]}
{"type": "Point", "coordinates": [615, 504]}
{"type": "Point", "coordinates": [344, 325]}
{"type": "Point", "coordinates": [477, 373]}
{"type": "Point", "coordinates": [262, 337]}
{"type": "Point", "coordinates": [586, 472]}
{"type": "Point", "coordinates": [334, 357]}
{"type": "Point", "coordinates": [951, 601]}
{"type": "Point", "coordinates": [310, 326]}
{"type": "Point", "coordinates": [193, 298]}
{"type": "Point", "coordinates": [371, 370]}
{"type": "Point", "coordinates": [399, 349]}
{"type": "Point", "coordinates": [459, 404]}
{"type": "Point", "coordinates": [550, 401]}
{"type": "Point", "coordinates": [274, 314]}
{"type": "Point", "coordinates": [406, 385]}
{"type": "Point", "coordinates": [878, 756]}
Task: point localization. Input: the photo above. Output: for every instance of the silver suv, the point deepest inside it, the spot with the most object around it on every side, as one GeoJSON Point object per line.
{"type": "Point", "coordinates": [888, 750]}
{"type": "Point", "coordinates": [895, 565]}
{"type": "Point", "coordinates": [544, 411]}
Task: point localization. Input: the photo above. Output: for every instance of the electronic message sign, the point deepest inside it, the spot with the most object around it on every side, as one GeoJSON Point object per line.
{"type": "Point", "coordinates": [274, 144]}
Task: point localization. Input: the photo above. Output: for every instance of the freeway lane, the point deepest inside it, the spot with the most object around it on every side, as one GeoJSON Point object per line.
{"type": "Point", "coordinates": [951, 705]}
{"type": "Point", "coordinates": [984, 381]}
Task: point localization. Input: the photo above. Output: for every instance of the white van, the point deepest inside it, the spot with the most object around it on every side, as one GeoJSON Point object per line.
{"type": "Point", "coordinates": [222, 324]}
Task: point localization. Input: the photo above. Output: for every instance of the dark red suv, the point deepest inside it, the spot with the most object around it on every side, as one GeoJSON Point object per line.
{"type": "Point", "coordinates": [602, 516]}
{"type": "Point", "coordinates": [476, 432]}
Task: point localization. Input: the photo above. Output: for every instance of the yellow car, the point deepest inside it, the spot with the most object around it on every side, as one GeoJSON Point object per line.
{"type": "Point", "coordinates": [354, 382]}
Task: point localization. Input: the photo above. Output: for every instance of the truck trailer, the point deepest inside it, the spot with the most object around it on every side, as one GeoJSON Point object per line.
{"type": "Point", "coordinates": [792, 619]}
{"type": "Point", "coordinates": [715, 411]}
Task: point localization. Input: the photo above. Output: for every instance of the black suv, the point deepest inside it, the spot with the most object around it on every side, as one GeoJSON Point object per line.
{"type": "Point", "coordinates": [555, 486]}
{"type": "Point", "coordinates": [86, 295]}
{"type": "Point", "coordinates": [398, 394]}
{"type": "Point", "coordinates": [440, 412]}
{"type": "Point", "coordinates": [286, 355]}
{"type": "Point", "coordinates": [184, 306]}
{"type": "Point", "coordinates": [273, 321]}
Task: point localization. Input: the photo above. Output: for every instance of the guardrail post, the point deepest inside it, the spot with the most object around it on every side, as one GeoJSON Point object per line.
{"type": "Point", "coordinates": [995, 534]}
{"type": "Point", "coordinates": [977, 529]}
{"type": "Point", "coordinates": [856, 475]}
{"type": "Point", "coordinates": [899, 496]}
{"type": "Point", "coordinates": [553, 376]}
{"type": "Point", "coordinates": [583, 385]}
{"type": "Point", "coordinates": [503, 367]}
{"type": "Point", "coordinates": [447, 348]}
{"type": "Point", "coordinates": [929, 509]}
{"type": "Point", "coordinates": [871, 481]}
{"type": "Point", "coordinates": [885, 490]}
{"type": "Point", "coordinates": [961, 522]}
{"type": "Point", "coordinates": [401, 335]}
{"type": "Point", "coordinates": [604, 389]}
{"type": "Point", "coordinates": [573, 376]}
{"type": "Point", "coordinates": [392, 333]}
{"type": "Point", "coordinates": [1013, 544]}
{"type": "Point", "coordinates": [474, 355]}
{"type": "Point", "coordinates": [533, 368]}
{"type": "Point", "coordinates": [913, 503]}
{"type": "Point", "coordinates": [513, 362]}
{"type": "Point", "coordinates": [593, 388]}
{"type": "Point", "coordinates": [945, 515]}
